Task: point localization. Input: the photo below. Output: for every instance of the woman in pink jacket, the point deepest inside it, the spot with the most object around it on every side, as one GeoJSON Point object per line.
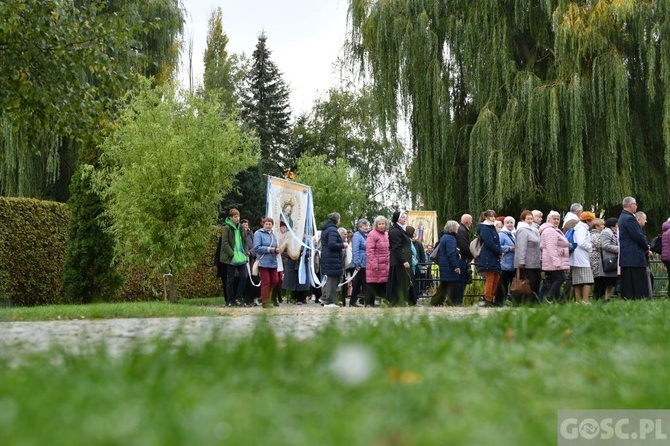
{"type": "Point", "coordinates": [377, 253]}
{"type": "Point", "coordinates": [555, 256]}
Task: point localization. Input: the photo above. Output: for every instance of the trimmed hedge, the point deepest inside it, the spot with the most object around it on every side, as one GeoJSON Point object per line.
{"type": "Point", "coordinates": [33, 242]}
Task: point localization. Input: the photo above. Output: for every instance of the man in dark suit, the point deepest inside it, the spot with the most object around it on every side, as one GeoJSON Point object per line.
{"type": "Point", "coordinates": [633, 252]}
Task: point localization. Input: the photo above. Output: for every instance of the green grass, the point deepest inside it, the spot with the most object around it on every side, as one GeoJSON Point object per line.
{"type": "Point", "coordinates": [185, 308]}
{"type": "Point", "coordinates": [494, 380]}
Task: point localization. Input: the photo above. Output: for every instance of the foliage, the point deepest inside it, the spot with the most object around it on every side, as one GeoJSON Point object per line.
{"type": "Point", "coordinates": [165, 168]}
{"type": "Point", "coordinates": [334, 186]}
{"type": "Point", "coordinates": [89, 273]}
{"type": "Point", "coordinates": [32, 247]}
{"type": "Point", "coordinates": [343, 125]}
{"type": "Point", "coordinates": [218, 77]}
{"type": "Point", "coordinates": [498, 380]}
{"type": "Point", "coordinates": [266, 112]}
{"type": "Point", "coordinates": [266, 107]}
{"type": "Point", "coordinates": [520, 101]}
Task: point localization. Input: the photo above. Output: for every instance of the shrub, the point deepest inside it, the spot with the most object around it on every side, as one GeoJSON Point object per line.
{"type": "Point", "coordinates": [33, 239]}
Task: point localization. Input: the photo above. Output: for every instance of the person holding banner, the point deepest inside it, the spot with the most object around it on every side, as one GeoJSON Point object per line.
{"type": "Point", "coordinates": [266, 248]}
{"type": "Point", "coordinates": [332, 266]}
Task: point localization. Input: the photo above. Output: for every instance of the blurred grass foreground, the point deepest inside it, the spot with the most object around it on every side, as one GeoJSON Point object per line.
{"type": "Point", "coordinates": [479, 380]}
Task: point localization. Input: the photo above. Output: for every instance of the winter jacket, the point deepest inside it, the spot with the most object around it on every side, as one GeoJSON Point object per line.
{"type": "Point", "coordinates": [665, 253]}
{"type": "Point", "coordinates": [377, 253]}
{"type": "Point", "coordinates": [400, 246]}
{"type": "Point", "coordinates": [527, 250]}
{"type": "Point", "coordinates": [609, 247]}
{"type": "Point", "coordinates": [463, 240]}
{"type": "Point", "coordinates": [555, 249]}
{"type": "Point", "coordinates": [263, 241]}
{"type": "Point", "coordinates": [489, 257]}
{"type": "Point", "coordinates": [227, 241]}
{"type": "Point", "coordinates": [633, 245]}
{"type": "Point", "coordinates": [580, 257]}
{"type": "Point", "coordinates": [449, 259]}
{"type": "Point", "coordinates": [358, 249]}
{"type": "Point", "coordinates": [507, 241]}
{"type": "Point", "coordinates": [332, 247]}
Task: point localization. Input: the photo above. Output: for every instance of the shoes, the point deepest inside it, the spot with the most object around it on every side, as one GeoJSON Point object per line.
{"type": "Point", "coordinates": [485, 304]}
{"type": "Point", "coordinates": [331, 306]}
{"type": "Point", "coordinates": [299, 303]}
{"type": "Point", "coordinates": [585, 302]}
{"type": "Point", "coordinates": [354, 305]}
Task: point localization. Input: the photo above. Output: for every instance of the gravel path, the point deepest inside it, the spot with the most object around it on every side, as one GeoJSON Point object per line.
{"type": "Point", "coordinates": [117, 335]}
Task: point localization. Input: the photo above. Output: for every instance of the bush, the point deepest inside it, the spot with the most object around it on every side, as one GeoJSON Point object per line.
{"type": "Point", "coordinates": [33, 239]}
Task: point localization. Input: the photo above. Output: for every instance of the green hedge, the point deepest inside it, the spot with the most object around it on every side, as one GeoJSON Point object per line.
{"type": "Point", "coordinates": [33, 241]}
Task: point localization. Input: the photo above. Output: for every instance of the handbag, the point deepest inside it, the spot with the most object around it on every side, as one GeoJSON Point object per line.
{"type": "Point", "coordinates": [519, 285]}
{"type": "Point", "coordinates": [435, 254]}
{"type": "Point", "coordinates": [610, 264]}
{"type": "Point", "coordinates": [254, 268]}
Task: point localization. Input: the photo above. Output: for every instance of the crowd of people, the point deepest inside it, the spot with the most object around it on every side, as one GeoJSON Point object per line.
{"type": "Point", "coordinates": [528, 262]}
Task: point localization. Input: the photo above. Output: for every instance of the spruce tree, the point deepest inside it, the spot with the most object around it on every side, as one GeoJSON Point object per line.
{"type": "Point", "coordinates": [266, 111]}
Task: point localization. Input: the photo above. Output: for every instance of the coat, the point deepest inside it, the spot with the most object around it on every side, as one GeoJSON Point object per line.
{"type": "Point", "coordinates": [609, 247]}
{"type": "Point", "coordinates": [555, 249]}
{"type": "Point", "coordinates": [633, 245]}
{"type": "Point", "coordinates": [263, 241]}
{"type": "Point", "coordinates": [448, 258]}
{"type": "Point", "coordinates": [489, 257]}
{"type": "Point", "coordinates": [227, 241]}
{"type": "Point", "coordinates": [359, 257]}
{"type": "Point", "coordinates": [377, 253]}
{"type": "Point", "coordinates": [507, 241]}
{"type": "Point", "coordinates": [580, 257]}
{"type": "Point", "coordinates": [528, 251]}
{"type": "Point", "coordinates": [332, 247]}
{"type": "Point", "coordinates": [463, 240]}
{"type": "Point", "coordinates": [665, 252]}
{"type": "Point", "coordinates": [400, 246]}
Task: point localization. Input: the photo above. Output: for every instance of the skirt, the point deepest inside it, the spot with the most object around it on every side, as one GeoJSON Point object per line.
{"type": "Point", "coordinates": [581, 275]}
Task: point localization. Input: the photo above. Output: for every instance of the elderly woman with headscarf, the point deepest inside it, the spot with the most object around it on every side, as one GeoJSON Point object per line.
{"type": "Point", "coordinates": [580, 263]}
{"type": "Point", "coordinates": [400, 262]}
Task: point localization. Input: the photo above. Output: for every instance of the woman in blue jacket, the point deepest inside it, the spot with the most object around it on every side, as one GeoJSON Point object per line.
{"type": "Point", "coordinates": [488, 263]}
{"type": "Point", "coordinates": [450, 264]}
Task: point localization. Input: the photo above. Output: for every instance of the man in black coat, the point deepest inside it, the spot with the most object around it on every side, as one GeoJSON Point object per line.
{"type": "Point", "coordinates": [463, 244]}
{"type": "Point", "coordinates": [331, 258]}
{"type": "Point", "coordinates": [633, 252]}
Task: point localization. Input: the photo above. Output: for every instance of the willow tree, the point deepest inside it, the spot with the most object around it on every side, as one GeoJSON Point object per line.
{"type": "Point", "coordinates": [523, 102]}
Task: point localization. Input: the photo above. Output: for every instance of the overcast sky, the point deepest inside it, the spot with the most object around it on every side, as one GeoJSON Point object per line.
{"type": "Point", "coordinates": [304, 36]}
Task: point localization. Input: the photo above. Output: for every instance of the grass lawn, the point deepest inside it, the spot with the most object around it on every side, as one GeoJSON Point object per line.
{"type": "Point", "coordinates": [185, 308]}
{"type": "Point", "coordinates": [479, 380]}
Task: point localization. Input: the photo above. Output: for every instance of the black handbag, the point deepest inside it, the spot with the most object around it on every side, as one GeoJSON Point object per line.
{"type": "Point", "coordinates": [610, 264]}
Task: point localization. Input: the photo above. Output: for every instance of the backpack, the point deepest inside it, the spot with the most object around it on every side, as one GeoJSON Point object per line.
{"type": "Point", "coordinates": [570, 235]}
{"type": "Point", "coordinates": [657, 244]}
{"type": "Point", "coordinates": [476, 247]}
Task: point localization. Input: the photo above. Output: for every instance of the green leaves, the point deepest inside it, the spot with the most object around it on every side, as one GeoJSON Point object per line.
{"type": "Point", "coordinates": [165, 169]}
